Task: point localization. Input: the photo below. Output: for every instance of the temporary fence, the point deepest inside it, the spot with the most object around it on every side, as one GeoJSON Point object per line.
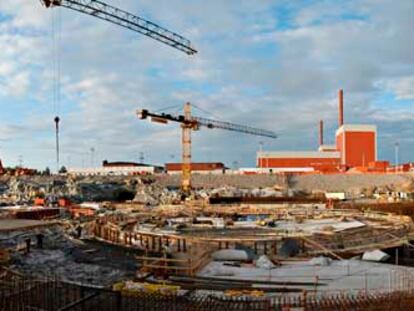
{"type": "Point", "coordinates": [27, 293]}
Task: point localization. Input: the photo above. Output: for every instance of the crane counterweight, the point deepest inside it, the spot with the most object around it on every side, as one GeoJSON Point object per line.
{"type": "Point", "coordinates": [50, 3]}
{"type": "Point", "coordinates": [142, 114]}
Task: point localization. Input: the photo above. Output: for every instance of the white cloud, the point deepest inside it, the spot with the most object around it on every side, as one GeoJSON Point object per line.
{"type": "Point", "coordinates": [17, 84]}
{"type": "Point", "coordinates": [403, 87]}
{"type": "Point", "coordinates": [6, 68]}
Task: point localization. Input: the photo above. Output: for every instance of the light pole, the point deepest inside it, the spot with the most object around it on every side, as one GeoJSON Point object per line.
{"type": "Point", "coordinates": [141, 157]}
{"type": "Point", "coordinates": [20, 160]}
{"type": "Point", "coordinates": [83, 155]}
{"type": "Point", "coordinates": [261, 143]}
{"type": "Point", "coordinates": [92, 157]}
{"type": "Point", "coordinates": [235, 165]}
{"type": "Point", "coordinates": [69, 161]}
{"type": "Point", "coordinates": [396, 150]}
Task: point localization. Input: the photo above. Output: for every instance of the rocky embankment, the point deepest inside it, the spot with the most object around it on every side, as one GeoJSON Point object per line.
{"type": "Point", "coordinates": [25, 189]}
{"type": "Point", "coordinates": [163, 189]}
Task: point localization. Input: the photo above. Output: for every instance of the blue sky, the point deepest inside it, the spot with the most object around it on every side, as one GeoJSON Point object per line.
{"type": "Point", "coordinates": [270, 64]}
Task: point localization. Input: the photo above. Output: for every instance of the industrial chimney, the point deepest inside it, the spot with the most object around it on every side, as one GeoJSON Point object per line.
{"type": "Point", "coordinates": [341, 107]}
{"type": "Point", "coordinates": [320, 132]}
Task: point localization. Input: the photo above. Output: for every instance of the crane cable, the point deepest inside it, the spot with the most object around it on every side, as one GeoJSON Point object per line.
{"type": "Point", "coordinates": [164, 109]}
{"type": "Point", "coordinates": [207, 112]}
{"type": "Point", "coordinates": [56, 67]}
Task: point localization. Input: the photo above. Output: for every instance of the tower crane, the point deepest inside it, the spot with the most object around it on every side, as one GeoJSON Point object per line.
{"type": "Point", "coordinates": [192, 123]}
{"type": "Point", "coordinates": [125, 19]}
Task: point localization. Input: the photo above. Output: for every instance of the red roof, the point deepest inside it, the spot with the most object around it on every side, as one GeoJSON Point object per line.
{"type": "Point", "coordinates": [196, 166]}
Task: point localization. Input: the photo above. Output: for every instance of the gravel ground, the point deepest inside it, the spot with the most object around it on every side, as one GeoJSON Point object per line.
{"type": "Point", "coordinates": [216, 181]}
{"type": "Point", "coordinates": [308, 183]}
{"type": "Point", "coordinates": [348, 182]}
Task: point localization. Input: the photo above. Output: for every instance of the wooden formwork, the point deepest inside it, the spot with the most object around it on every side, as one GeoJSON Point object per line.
{"type": "Point", "coordinates": [188, 265]}
{"type": "Point", "coordinates": [382, 230]}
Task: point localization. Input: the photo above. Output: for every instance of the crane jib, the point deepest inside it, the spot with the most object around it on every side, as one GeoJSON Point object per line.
{"type": "Point", "coordinates": [196, 122]}
{"type": "Point", "coordinates": [125, 19]}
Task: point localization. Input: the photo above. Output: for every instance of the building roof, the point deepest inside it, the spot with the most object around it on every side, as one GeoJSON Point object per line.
{"type": "Point", "coordinates": [105, 163]}
{"type": "Point", "coordinates": [327, 147]}
{"type": "Point", "coordinates": [299, 154]}
{"type": "Point", "coordinates": [201, 166]}
{"type": "Point", "coordinates": [356, 128]}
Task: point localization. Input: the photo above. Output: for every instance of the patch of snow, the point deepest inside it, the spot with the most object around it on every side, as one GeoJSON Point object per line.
{"type": "Point", "coordinates": [264, 263]}
{"type": "Point", "coordinates": [230, 255]}
{"type": "Point", "coordinates": [352, 275]}
{"type": "Point", "coordinates": [320, 261]}
{"type": "Point", "coordinates": [375, 255]}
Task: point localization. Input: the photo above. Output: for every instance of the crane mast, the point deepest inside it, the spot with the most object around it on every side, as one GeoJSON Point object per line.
{"type": "Point", "coordinates": [192, 123]}
{"type": "Point", "coordinates": [186, 128]}
{"type": "Point", "coordinates": [125, 19]}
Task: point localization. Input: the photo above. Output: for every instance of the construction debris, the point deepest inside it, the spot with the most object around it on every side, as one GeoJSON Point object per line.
{"type": "Point", "coordinates": [108, 230]}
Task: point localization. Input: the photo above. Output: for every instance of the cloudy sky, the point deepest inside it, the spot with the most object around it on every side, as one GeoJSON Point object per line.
{"type": "Point", "coordinates": [270, 64]}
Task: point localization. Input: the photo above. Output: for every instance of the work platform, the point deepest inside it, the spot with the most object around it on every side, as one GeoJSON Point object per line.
{"type": "Point", "coordinates": [10, 225]}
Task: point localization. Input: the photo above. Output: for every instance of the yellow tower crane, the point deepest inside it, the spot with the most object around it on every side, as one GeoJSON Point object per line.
{"type": "Point", "coordinates": [192, 123]}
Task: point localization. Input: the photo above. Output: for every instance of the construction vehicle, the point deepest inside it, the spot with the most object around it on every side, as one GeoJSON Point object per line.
{"type": "Point", "coordinates": [192, 123]}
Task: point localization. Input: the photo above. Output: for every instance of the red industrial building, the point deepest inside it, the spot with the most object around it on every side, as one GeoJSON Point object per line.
{"type": "Point", "coordinates": [123, 164]}
{"type": "Point", "coordinates": [17, 171]}
{"type": "Point", "coordinates": [356, 147]}
{"type": "Point", "coordinates": [357, 144]}
{"type": "Point", "coordinates": [300, 161]}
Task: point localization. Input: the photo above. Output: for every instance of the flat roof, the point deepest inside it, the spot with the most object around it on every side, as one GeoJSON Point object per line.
{"type": "Point", "coordinates": [357, 128]}
{"type": "Point", "coordinates": [7, 225]}
{"type": "Point", "coordinates": [106, 163]}
{"type": "Point", "coordinates": [299, 154]}
{"type": "Point", "coordinates": [324, 147]}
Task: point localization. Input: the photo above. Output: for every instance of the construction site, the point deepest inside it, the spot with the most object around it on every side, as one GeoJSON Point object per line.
{"type": "Point", "coordinates": [331, 229]}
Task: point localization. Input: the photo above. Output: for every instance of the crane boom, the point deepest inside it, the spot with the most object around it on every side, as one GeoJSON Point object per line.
{"type": "Point", "coordinates": [233, 127]}
{"type": "Point", "coordinates": [122, 18]}
{"type": "Point", "coordinates": [197, 122]}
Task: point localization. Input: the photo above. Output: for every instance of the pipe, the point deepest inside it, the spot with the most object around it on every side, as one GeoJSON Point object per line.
{"type": "Point", "coordinates": [320, 132]}
{"type": "Point", "coordinates": [341, 107]}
